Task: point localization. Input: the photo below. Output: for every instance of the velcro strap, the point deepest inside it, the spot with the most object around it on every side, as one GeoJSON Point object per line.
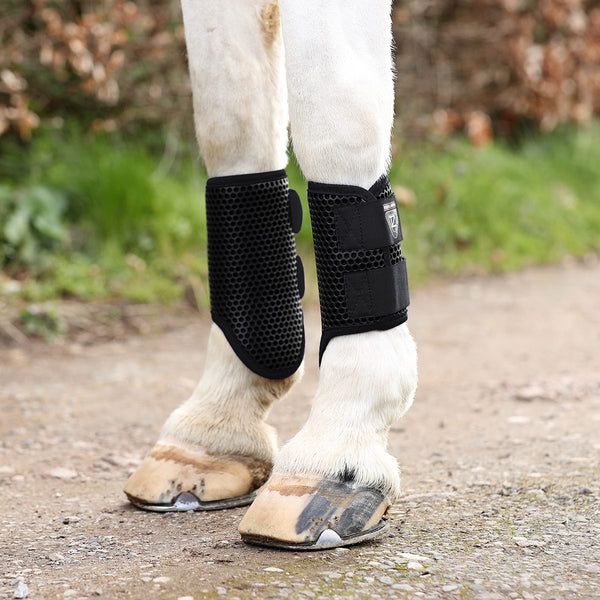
{"type": "Point", "coordinates": [368, 225]}
{"type": "Point", "coordinates": [377, 292]}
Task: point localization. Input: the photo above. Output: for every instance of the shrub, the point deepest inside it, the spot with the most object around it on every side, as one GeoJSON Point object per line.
{"type": "Point", "coordinates": [31, 224]}
{"type": "Point", "coordinates": [472, 64]}
{"type": "Point", "coordinates": [109, 63]}
{"type": "Point", "coordinates": [516, 61]}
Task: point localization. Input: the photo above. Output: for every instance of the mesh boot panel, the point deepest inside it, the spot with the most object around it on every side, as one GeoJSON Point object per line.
{"type": "Point", "coordinates": [345, 307]}
{"type": "Point", "coordinates": [253, 273]}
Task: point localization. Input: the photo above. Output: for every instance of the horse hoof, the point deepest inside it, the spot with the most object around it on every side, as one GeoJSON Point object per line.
{"type": "Point", "coordinates": [180, 478]}
{"type": "Point", "coordinates": [312, 513]}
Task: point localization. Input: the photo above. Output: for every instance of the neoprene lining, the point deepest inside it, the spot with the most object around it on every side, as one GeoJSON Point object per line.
{"type": "Point", "coordinates": [255, 277]}
{"type": "Point", "coordinates": [363, 285]}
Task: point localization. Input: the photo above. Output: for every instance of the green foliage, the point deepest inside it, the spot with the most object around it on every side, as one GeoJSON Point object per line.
{"type": "Point", "coordinates": [135, 231]}
{"type": "Point", "coordinates": [498, 209]}
{"type": "Point", "coordinates": [31, 224]}
{"type": "Point", "coordinates": [493, 209]}
{"type": "Point", "coordinates": [42, 321]}
{"type": "Point", "coordinates": [118, 196]}
{"type": "Point", "coordinates": [125, 224]}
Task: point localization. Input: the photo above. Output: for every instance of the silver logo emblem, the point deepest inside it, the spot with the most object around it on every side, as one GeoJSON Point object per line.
{"type": "Point", "coordinates": [391, 216]}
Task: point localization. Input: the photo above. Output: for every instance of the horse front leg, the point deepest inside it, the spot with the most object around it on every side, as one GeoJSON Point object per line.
{"type": "Point", "coordinates": [215, 450]}
{"type": "Point", "coordinates": [334, 481]}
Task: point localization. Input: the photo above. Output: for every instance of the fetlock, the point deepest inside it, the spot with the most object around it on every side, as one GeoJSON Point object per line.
{"type": "Point", "coordinates": [227, 411]}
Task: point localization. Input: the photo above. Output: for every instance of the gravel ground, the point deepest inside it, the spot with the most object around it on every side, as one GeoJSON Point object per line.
{"type": "Point", "coordinates": [500, 458]}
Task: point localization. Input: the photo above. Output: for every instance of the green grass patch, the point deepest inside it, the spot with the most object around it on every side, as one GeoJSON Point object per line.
{"type": "Point", "coordinates": [132, 229]}
{"type": "Point", "coordinates": [103, 217]}
{"type": "Point", "coordinates": [499, 209]}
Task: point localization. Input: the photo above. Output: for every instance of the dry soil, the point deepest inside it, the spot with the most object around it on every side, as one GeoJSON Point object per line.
{"type": "Point", "coordinates": [500, 457]}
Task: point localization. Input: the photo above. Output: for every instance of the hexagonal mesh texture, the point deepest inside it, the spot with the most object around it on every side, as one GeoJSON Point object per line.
{"type": "Point", "coordinates": [333, 263]}
{"type": "Point", "coordinates": [254, 292]}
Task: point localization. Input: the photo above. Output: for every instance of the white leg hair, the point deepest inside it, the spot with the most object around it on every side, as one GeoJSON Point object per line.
{"type": "Point", "coordinates": [340, 86]}
{"type": "Point", "coordinates": [367, 382]}
{"type": "Point", "coordinates": [216, 445]}
{"type": "Point", "coordinates": [235, 55]}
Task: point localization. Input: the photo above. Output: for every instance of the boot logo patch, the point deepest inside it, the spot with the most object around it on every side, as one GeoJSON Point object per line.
{"type": "Point", "coordinates": [391, 216]}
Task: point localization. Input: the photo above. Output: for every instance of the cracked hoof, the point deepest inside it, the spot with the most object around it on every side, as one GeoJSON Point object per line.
{"type": "Point", "coordinates": [180, 478]}
{"type": "Point", "coordinates": [308, 513]}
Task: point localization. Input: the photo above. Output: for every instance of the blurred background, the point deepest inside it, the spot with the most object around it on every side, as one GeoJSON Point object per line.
{"type": "Point", "coordinates": [496, 151]}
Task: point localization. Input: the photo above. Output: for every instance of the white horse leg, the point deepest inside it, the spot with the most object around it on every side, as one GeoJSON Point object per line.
{"type": "Point", "coordinates": [215, 449]}
{"type": "Point", "coordinates": [235, 55]}
{"type": "Point", "coordinates": [340, 86]}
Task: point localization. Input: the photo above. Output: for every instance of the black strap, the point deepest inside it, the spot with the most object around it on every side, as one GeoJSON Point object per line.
{"type": "Point", "coordinates": [295, 209]}
{"type": "Point", "coordinates": [377, 292]}
{"type": "Point", "coordinates": [368, 225]}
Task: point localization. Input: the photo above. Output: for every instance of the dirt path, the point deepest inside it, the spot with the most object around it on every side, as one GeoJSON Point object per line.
{"type": "Point", "coordinates": [500, 458]}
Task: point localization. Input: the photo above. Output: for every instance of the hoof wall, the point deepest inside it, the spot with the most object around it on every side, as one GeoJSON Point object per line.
{"type": "Point", "coordinates": [304, 513]}
{"type": "Point", "coordinates": [179, 478]}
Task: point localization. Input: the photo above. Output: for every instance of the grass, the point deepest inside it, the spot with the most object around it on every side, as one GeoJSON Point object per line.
{"type": "Point", "coordinates": [500, 209]}
{"type": "Point", "coordinates": [135, 231]}
{"type": "Point", "coordinates": [135, 226]}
